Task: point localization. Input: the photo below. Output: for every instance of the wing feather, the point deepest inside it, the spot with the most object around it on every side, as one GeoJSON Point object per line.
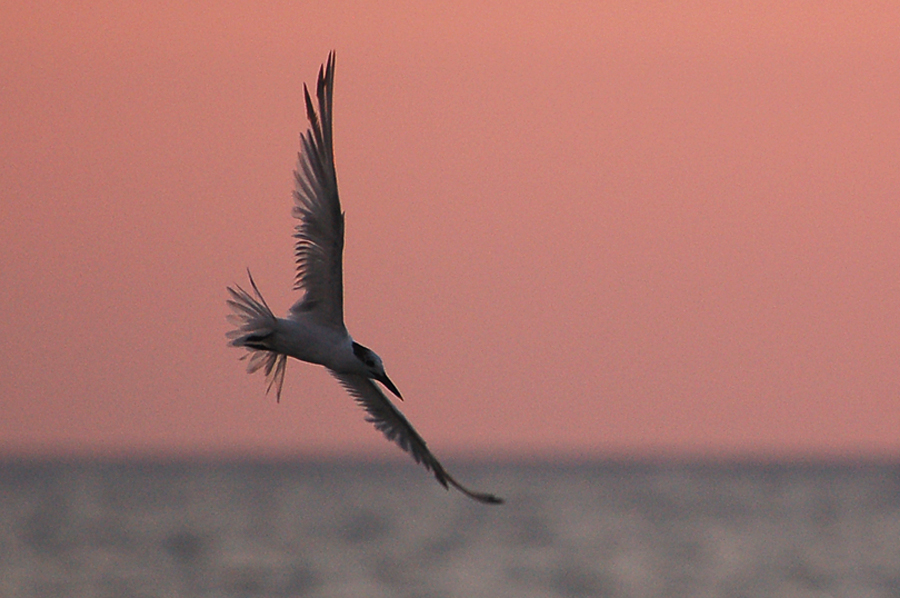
{"type": "Point", "coordinates": [390, 422]}
{"type": "Point", "coordinates": [320, 233]}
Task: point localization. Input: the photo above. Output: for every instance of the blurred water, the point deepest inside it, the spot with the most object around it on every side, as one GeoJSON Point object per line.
{"type": "Point", "coordinates": [360, 529]}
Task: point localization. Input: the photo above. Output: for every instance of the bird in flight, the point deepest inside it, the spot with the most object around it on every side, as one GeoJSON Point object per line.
{"type": "Point", "coordinates": [314, 329]}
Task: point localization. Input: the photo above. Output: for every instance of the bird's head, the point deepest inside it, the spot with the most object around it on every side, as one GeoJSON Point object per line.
{"type": "Point", "coordinates": [373, 367]}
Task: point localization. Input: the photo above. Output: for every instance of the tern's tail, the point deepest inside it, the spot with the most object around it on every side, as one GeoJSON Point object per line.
{"type": "Point", "coordinates": [256, 324]}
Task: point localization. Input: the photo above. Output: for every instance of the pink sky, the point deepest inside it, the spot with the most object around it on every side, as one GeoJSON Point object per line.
{"type": "Point", "coordinates": [620, 231]}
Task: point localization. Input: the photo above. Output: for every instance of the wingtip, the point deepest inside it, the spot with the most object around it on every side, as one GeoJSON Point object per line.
{"type": "Point", "coordinates": [326, 73]}
{"type": "Point", "coordinates": [482, 497]}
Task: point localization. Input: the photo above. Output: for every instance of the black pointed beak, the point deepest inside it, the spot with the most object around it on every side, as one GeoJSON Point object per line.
{"type": "Point", "coordinates": [389, 385]}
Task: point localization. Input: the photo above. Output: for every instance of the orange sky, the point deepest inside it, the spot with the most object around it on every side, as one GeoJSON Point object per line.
{"type": "Point", "coordinates": [617, 230]}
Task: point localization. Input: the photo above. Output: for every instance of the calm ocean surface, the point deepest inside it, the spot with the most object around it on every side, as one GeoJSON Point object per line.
{"type": "Point", "coordinates": [291, 529]}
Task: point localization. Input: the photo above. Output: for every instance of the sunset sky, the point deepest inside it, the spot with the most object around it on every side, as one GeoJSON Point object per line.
{"type": "Point", "coordinates": [593, 230]}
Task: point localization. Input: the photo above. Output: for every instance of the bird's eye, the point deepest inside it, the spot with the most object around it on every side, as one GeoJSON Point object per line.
{"type": "Point", "coordinates": [370, 363]}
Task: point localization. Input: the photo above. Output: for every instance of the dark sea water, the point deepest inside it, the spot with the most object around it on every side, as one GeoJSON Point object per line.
{"type": "Point", "coordinates": [287, 529]}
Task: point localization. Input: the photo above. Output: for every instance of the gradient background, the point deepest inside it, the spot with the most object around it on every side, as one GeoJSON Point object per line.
{"type": "Point", "coordinates": [591, 230]}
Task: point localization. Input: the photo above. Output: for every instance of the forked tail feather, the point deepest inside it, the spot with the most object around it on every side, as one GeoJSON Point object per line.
{"type": "Point", "coordinates": [255, 326]}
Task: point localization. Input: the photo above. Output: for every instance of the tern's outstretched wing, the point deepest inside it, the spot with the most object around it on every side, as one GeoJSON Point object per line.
{"type": "Point", "coordinates": [396, 428]}
{"type": "Point", "coordinates": [320, 233]}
